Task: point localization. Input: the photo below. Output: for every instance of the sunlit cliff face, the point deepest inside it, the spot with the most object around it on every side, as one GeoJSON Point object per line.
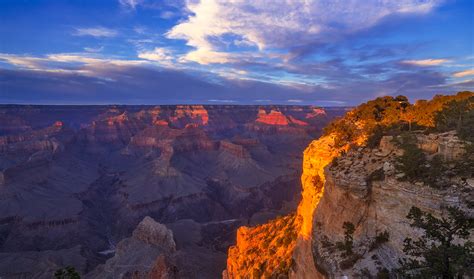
{"type": "Point", "coordinates": [317, 156]}
{"type": "Point", "coordinates": [252, 253]}
{"type": "Point", "coordinates": [264, 250]}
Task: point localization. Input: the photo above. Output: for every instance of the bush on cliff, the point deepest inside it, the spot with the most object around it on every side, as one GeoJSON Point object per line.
{"type": "Point", "coordinates": [457, 115]}
{"type": "Point", "coordinates": [68, 272]}
{"type": "Point", "coordinates": [412, 162]}
{"type": "Point", "coordinates": [348, 243]}
{"type": "Point", "coordinates": [397, 114]}
{"type": "Point", "coordinates": [444, 249]}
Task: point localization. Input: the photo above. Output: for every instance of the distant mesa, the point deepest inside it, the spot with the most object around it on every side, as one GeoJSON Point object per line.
{"type": "Point", "coordinates": [195, 114]}
{"type": "Point", "coordinates": [160, 122]}
{"type": "Point", "coordinates": [315, 113]}
{"type": "Point", "coordinates": [276, 117]}
{"type": "Point", "coordinates": [58, 124]}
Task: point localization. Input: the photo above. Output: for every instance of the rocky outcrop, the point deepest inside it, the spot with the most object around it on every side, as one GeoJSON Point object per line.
{"type": "Point", "coordinates": [263, 251]}
{"type": "Point", "coordinates": [186, 114]}
{"type": "Point", "coordinates": [272, 118]}
{"type": "Point", "coordinates": [236, 150]}
{"type": "Point", "coordinates": [153, 233]}
{"type": "Point", "coordinates": [146, 254]}
{"type": "Point", "coordinates": [317, 156]}
{"type": "Point", "coordinates": [276, 117]}
{"type": "Point", "coordinates": [447, 145]}
{"type": "Point", "coordinates": [377, 203]}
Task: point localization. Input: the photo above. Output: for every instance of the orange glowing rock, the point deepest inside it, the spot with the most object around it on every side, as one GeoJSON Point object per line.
{"type": "Point", "coordinates": [58, 124]}
{"type": "Point", "coordinates": [297, 122]}
{"type": "Point", "coordinates": [195, 112]}
{"type": "Point", "coordinates": [272, 118]}
{"type": "Point", "coordinates": [159, 122]}
{"type": "Point", "coordinates": [264, 250]}
{"type": "Point", "coordinates": [316, 112]}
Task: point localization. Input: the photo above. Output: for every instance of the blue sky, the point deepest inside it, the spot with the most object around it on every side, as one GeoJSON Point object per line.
{"type": "Point", "coordinates": [321, 52]}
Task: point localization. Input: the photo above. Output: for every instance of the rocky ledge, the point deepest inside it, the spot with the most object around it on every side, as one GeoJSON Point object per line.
{"type": "Point", "coordinates": [146, 254]}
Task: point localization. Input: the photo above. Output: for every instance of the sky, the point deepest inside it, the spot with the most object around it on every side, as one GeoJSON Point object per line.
{"type": "Point", "coordinates": [318, 52]}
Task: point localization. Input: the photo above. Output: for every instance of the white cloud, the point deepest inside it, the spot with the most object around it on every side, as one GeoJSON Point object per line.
{"type": "Point", "coordinates": [464, 73]}
{"type": "Point", "coordinates": [161, 55]}
{"type": "Point", "coordinates": [167, 14]}
{"type": "Point", "coordinates": [130, 4]}
{"type": "Point", "coordinates": [280, 24]}
{"type": "Point", "coordinates": [221, 101]}
{"type": "Point", "coordinates": [426, 62]}
{"type": "Point", "coordinates": [81, 63]}
{"type": "Point", "coordinates": [95, 32]}
{"type": "Point", "coordinates": [207, 56]}
{"type": "Point", "coordinates": [94, 49]}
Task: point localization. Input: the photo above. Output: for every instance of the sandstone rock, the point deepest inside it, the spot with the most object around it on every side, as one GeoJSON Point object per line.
{"type": "Point", "coordinates": [146, 254]}
{"type": "Point", "coordinates": [388, 168]}
{"type": "Point", "coordinates": [154, 233]}
{"type": "Point", "coordinates": [274, 117]}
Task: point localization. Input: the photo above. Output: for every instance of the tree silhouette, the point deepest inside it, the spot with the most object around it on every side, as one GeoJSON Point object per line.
{"type": "Point", "coordinates": [443, 251]}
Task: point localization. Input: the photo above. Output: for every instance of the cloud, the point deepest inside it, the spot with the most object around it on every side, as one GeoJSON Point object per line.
{"type": "Point", "coordinates": [464, 73]}
{"type": "Point", "coordinates": [426, 62]}
{"type": "Point", "coordinates": [79, 63]}
{"type": "Point", "coordinates": [281, 24]}
{"type": "Point", "coordinates": [207, 56]}
{"type": "Point", "coordinates": [122, 81]}
{"type": "Point", "coordinates": [96, 32]}
{"type": "Point", "coordinates": [167, 15]}
{"type": "Point", "coordinates": [94, 49]}
{"type": "Point", "coordinates": [163, 56]}
{"type": "Point", "coordinates": [130, 4]}
{"type": "Point", "coordinates": [158, 54]}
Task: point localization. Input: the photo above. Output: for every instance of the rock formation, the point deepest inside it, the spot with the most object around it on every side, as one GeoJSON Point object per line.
{"type": "Point", "coordinates": [146, 254]}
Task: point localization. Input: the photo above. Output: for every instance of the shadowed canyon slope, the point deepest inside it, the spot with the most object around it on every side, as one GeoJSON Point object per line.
{"type": "Point", "coordinates": [75, 182]}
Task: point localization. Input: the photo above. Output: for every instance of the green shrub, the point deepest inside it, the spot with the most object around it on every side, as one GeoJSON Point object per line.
{"type": "Point", "coordinates": [379, 240]}
{"type": "Point", "coordinates": [444, 250]}
{"type": "Point", "coordinates": [412, 162]}
{"type": "Point", "coordinates": [68, 272]}
{"type": "Point", "coordinates": [348, 243]}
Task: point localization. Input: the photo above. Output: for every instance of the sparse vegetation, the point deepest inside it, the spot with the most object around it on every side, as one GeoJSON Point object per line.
{"type": "Point", "coordinates": [395, 115]}
{"type": "Point", "coordinates": [380, 239]}
{"type": "Point", "coordinates": [376, 175]}
{"type": "Point", "coordinates": [348, 243]}
{"type": "Point", "coordinates": [443, 251]}
{"type": "Point", "coordinates": [68, 272]}
{"type": "Point", "coordinates": [412, 162]}
{"type": "Point", "coordinates": [457, 115]}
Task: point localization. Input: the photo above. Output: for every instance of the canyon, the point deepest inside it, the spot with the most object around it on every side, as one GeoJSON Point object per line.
{"type": "Point", "coordinates": [143, 191]}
